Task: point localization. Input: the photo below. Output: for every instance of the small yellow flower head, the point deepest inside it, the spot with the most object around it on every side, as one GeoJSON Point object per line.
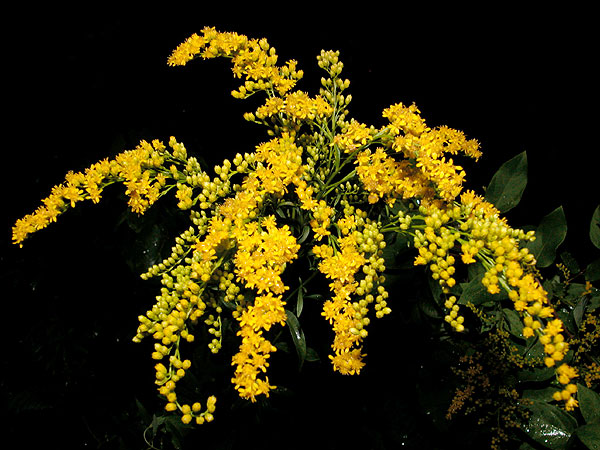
{"type": "Point", "coordinates": [348, 362]}
{"type": "Point", "coordinates": [357, 135]}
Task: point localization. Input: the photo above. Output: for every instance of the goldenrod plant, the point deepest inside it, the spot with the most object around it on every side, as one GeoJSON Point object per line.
{"type": "Point", "coordinates": [329, 210]}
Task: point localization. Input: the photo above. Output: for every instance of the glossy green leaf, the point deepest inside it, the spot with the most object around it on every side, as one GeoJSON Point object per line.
{"type": "Point", "coordinates": [539, 374]}
{"type": "Point", "coordinates": [532, 352]}
{"type": "Point", "coordinates": [300, 299]}
{"type": "Point", "coordinates": [513, 323]}
{"type": "Point", "coordinates": [589, 435]}
{"type": "Point", "coordinates": [550, 426]}
{"type": "Point", "coordinates": [311, 355]}
{"type": "Point", "coordinates": [592, 271]}
{"type": "Point", "coordinates": [304, 234]}
{"type": "Point", "coordinates": [589, 404]}
{"type": "Point", "coordinates": [595, 228]}
{"type": "Point", "coordinates": [297, 336]}
{"type": "Point", "coordinates": [476, 293]}
{"type": "Point", "coordinates": [508, 183]}
{"type": "Point", "coordinates": [570, 262]}
{"type": "Point", "coordinates": [539, 395]}
{"type": "Point", "coordinates": [549, 235]}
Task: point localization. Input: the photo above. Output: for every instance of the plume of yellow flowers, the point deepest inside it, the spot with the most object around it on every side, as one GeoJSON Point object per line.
{"type": "Point", "coordinates": [341, 180]}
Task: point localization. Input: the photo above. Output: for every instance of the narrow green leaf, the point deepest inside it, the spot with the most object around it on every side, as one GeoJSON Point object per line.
{"type": "Point", "coordinates": [589, 404]}
{"type": "Point", "coordinates": [300, 299]}
{"type": "Point", "coordinates": [589, 435]}
{"type": "Point", "coordinates": [297, 336]}
{"type": "Point", "coordinates": [595, 228]}
{"type": "Point", "coordinates": [550, 425]}
{"type": "Point", "coordinates": [548, 236]}
{"type": "Point", "coordinates": [142, 411]}
{"type": "Point", "coordinates": [508, 183]}
{"type": "Point", "coordinates": [579, 312]}
{"type": "Point", "coordinates": [304, 234]}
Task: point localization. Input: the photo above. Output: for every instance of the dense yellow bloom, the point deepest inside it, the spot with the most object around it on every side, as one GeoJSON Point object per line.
{"type": "Point", "coordinates": [342, 265]}
{"type": "Point", "coordinates": [250, 362]}
{"type": "Point", "coordinates": [262, 255]}
{"type": "Point", "coordinates": [427, 148]}
{"type": "Point", "coordinates": [405, 119]}
{"type": "Point", "coordinates": [349, 362]}
{"type": "Point", "coordinates": [136, 169]}
{"type": "Point", "coordinates": [296, 105]}
{"type": "Point", "coordinates": [235, 255]}
{"type": "Point", "coordinates": [322, 214]}
{"type": "Point", "coordinates": [253, 59]}
{"type": "Point", "coordinates": [357, 135]}
{"type": "Point", "coordinates": [266, 311]}
{"type": "Point", "coordinates": [378, 173]}
{"type": "Point", "coordinates": [283, 162]}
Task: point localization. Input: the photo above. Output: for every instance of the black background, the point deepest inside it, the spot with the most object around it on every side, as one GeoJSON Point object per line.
{"type": "Point", "coordinates": [84, 85]}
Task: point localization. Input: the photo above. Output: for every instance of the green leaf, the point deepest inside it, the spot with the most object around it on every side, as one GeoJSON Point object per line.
{"type": "Point", "coordinates": [549, 235]}
{"type": "Point", "coordinates": [570, 262]}
{"type": "Point", "coordinates": [397, 244]}
{"type": "Point", "coordinates": [589, 435]}
{"type": "Point", "coordinates": [589, 404]}
{"type": "Point", "coordinates": [297, 336]}
{"type": "Point", "coordinates": [540, 395]}
{"type": "Point", "coordinates": [532, 352]}
{"type": "Point", "coordinates": [304, 234]}
{"type": "Point", "coordinates": [513, 322]}
{"type": "Point", "coordinates": [476, 293]}
{"type": "Point", "coordinates": [311, 355]}
{"type": "Point", "coordinates": [550, 425]}
{"type": "Point", "coordinates": [592, 271]}
{"type": "Point", "coordinates": [300, 301]}
{"type": "Point", "coordinates": [508, 183]}
{"type": "Point", "coordinates": [539, 374]}
{"type": "Point", "coordinates": [595, 228]}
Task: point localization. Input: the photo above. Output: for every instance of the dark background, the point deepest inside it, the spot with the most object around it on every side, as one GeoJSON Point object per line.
{"type": "Point", "coordinates": [81, 86]}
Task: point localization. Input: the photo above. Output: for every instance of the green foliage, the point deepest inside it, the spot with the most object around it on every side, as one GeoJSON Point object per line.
{"type": "Point", "coordinates": [550, 426]}
{"type": "Point", "coordinates": [550, 233]}
{"type": "Point", "coordinates": [297, 336]}
{"type": "Point", "coordinates": [595, 228]}
{"type": "Point", "coordinates": [508, 183]}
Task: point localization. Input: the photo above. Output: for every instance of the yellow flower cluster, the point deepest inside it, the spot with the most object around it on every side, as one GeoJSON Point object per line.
{"type": "Point", "coordinates": [283, 161]}
{"type": "Point", "coordinates": [384, 177]}
{"type": "Point", "coordinates": [475, 226]}
{"type": "Point", "coordinates": [139, 170]}
{"type": "Point", "coordinates": [318, 172]}
{"type": "Point", "coordinates": [255, 349]}
{"type": "Point", "coordinates": [355, 136]}
{"type": "Point", "coordinates": [253, 59]}
{"type": "Point", "coordinates": [427, 148]}
{"type": "Point", "coordinates": [321, 212]}
{"type": "Point", "coordinates": [236, 248]}
{"type": "Point", "coordinates": [262, 254]}
{"type": "Point", "coordinates": [297, 106]}
{"type": "Point", "coordinates": [359, 253]}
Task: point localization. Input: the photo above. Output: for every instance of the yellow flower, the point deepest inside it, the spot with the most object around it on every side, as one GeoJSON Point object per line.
{"type": "Point", "coordinates": [357, 135]}
{"type": "Point", "coordinates": [348, 362]}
